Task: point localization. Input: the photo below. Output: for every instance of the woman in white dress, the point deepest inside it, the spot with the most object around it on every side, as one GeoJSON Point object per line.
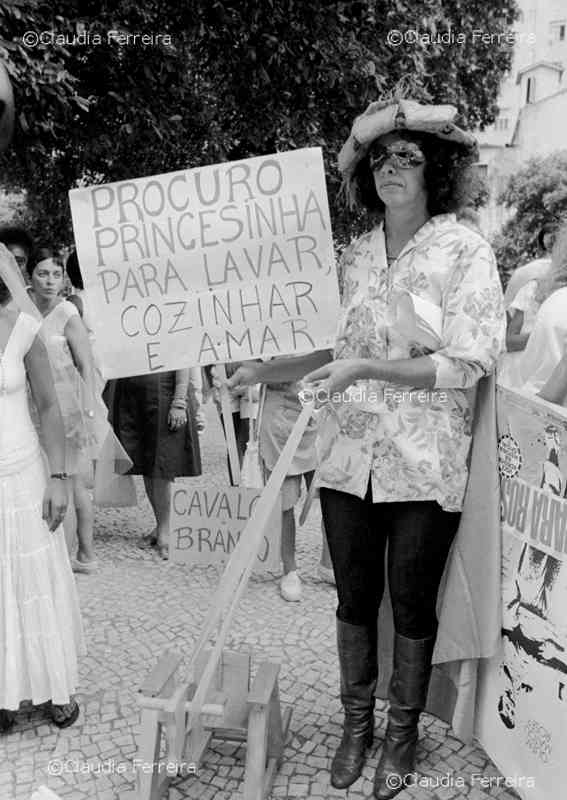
{"type": "Point", "coordinates": [69, 350]}
{"type": "Point", "coordinates": [40, 624]}
{"type": "Point", "coordinates": [79, 299]}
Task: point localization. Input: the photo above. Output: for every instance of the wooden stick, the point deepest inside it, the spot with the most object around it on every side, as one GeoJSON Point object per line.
{"type": "Point", "coordinates": [261, 402]}
{"type": "Point", "coordinates": [240, 556]}
{"type": "Point", "coordinates": [229, 427]}
{"type": "Point", "coordinates": [241, 563]}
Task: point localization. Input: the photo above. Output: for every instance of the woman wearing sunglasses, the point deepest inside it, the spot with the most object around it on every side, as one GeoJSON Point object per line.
{"type": "Point", "coordinates": [422, 322]}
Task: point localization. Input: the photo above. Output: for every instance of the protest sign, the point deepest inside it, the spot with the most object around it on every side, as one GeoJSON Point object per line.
{"type": "Point", "coordinates": [215, 264]}
{"type": "Point", "coordinates": [522, 714]}
{"type": "Point", "coordinates": [206, 525]}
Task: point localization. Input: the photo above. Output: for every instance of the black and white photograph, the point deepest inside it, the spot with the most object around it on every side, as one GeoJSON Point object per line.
{"type": "Point", "coordinates": [283, 399]}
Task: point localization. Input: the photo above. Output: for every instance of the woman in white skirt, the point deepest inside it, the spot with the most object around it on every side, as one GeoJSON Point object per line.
{"type": "Point", "coordinates": [40, 624]}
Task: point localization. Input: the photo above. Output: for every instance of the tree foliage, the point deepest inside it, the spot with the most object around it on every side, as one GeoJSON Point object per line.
{"type": "Point", "coordinates": [241, 78]}
{"type": "Point", "coordinates": [536, 194]}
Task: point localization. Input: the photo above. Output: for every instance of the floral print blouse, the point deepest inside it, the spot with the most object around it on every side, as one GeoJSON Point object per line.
{"type": "Point", "coordinates": [413, 444]}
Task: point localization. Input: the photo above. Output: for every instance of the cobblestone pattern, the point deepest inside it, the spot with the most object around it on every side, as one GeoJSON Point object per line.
{"type": "Point", "coordinates": [137, 606]}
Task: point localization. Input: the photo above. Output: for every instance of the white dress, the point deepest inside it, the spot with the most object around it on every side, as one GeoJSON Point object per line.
{"type": "Point", "coordinates": [40, 624]}
{"type": "Point", "coordinates": [68, 387]}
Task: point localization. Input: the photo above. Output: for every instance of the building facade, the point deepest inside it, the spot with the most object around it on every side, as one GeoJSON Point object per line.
{"type": "Point", "coordinates": [532, 119]}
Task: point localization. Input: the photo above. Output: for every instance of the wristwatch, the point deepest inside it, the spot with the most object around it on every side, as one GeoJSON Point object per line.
{"type": "Point", "coordinates": [61, 476]}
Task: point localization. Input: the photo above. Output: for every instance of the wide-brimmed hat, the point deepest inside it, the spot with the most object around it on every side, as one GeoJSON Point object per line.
{"type": "Point", "coordinates": [383, 117]}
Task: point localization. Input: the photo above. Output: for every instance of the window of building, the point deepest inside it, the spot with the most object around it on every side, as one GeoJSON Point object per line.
{"type": "Point", "coordinates": [558, 30]}
{"type": "Point", "coordinates": [530, 90]}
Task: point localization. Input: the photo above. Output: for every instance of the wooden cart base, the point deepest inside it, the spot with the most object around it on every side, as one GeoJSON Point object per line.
{"type": "Point", "coordinates": [237, 709]}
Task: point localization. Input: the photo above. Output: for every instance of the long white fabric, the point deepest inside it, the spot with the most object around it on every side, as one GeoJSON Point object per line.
{"type": "Point", "coordinates": [40, 625]}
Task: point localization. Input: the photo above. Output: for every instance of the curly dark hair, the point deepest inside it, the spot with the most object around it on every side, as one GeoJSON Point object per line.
{"type": "Point", "coordinates": [447, 175]}
{"type": "Point", "coordinates": [16, 234]}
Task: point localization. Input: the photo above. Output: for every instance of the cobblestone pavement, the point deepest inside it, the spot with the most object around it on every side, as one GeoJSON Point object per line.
{"type": "Point", "coordinates": [136, 606]}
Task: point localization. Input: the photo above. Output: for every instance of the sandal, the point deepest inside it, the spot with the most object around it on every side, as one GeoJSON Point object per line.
{"type": "Point", "coordinates": [64, 715]}
{"type": "Point", "coordinates": [86, 567]}
{"type": "Point", "coordinates": [7, 720]}
{"type": "Point", "coordinates": [163, 550]}
{"type": "Point", "coordinates": [148, 541]}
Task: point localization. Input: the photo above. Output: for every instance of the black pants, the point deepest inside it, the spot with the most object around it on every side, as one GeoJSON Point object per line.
{"type": "Point", "coordinates": [419, 536]}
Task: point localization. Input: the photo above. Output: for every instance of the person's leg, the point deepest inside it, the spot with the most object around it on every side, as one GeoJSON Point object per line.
{"type": "Point", "coordinates": [149, 540]}
{"type": "Point", "coordinates": [159, 495]}
{"type": "Point", "coordinates": [419, 543]}
{"type": "Point", "coordinates": [357, 553]}
{"type": "Point", "coordinates": [418, 547]}
{"type": "Point", "coordinates": [290, 584]}
{"type": "Point", "coordinates": [325, 563]}
{"type": "Point", "coordinates": [288, 541]}
{"type": "Point", "coordinates": [70, 525]}
{"type": "Point", "coordinates": [149, 487]}
{"type": "Point", "coordinates": [85, 521]}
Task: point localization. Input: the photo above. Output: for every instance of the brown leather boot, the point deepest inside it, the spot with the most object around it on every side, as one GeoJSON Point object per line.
{"type": "Point", "coordinates": [359, 673]}
{"type": "Point", "coordinates": [407, 695]}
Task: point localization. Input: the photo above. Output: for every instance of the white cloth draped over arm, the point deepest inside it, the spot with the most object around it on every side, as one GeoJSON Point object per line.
{"type": "Point", "coordinates": [474, 323]}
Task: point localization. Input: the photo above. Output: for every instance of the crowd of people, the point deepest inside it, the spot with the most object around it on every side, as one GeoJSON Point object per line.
{"type": "Point", "coordinates": [391, 476]}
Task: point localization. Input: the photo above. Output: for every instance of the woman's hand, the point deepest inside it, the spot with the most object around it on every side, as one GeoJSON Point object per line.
{"type": "Point", "coordinates": [338, 375]}
{"type": "Point", "coordinates": [177, 418]}
{"type": "Point", "coordinates": [55, 499]}
{"type": "Point", "coordinates": [246, 375]}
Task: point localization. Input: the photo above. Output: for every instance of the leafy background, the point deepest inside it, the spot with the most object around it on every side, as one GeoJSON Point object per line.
{"type": "Point", "coordinates": [242, 78]}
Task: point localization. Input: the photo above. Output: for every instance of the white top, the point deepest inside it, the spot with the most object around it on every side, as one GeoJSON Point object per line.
{"type": "Point", "coordinates": [529, 272]}
{"type": "Point", "coordinates": [547, 343]}
{"type": "Point", "coordinates": [17, 433]}
{"type": "Point", "coordinates": [525, 301]}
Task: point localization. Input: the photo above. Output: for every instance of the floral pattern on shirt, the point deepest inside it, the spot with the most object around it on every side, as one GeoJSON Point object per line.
{"type": "Point", "coordinates": [410, 449]}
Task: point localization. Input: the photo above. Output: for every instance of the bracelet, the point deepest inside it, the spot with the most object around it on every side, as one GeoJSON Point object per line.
{"type": "Point", "coordinates": [61, 476]}
{"type": "Point", "coordinates": [180, 404]}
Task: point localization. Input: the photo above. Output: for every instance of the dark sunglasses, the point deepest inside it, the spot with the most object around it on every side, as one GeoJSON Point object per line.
{"type": "Point", "coordinates": [404, 155]}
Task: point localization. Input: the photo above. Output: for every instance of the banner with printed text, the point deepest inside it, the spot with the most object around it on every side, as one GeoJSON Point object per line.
{"type": "Point", "coordinates": [522, 719]}
{"type": "Point", "coordinates": [215, 264]}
